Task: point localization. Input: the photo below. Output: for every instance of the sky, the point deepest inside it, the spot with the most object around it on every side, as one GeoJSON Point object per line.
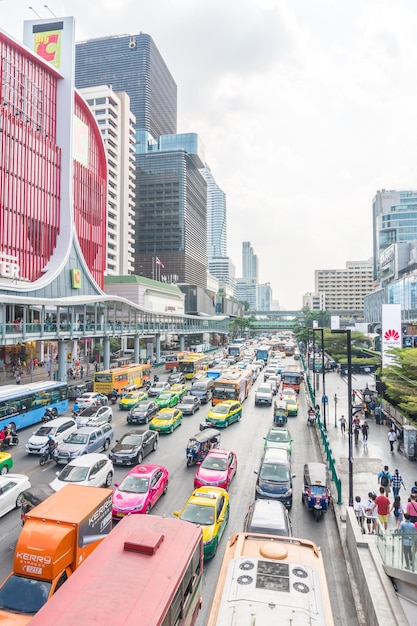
{"type": "Point", "coordinates": [305, 107]}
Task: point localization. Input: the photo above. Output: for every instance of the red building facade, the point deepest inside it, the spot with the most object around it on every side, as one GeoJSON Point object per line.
{"type": "Point", "coordinates": [30, 170]}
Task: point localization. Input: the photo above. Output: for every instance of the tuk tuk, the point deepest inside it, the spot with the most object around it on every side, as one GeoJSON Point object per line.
{"type": "Point", "coordinates": [199, 445]}
{"type": "Point", "coordinates": [316, 490]}
{"type": "Point", "coordinates": [280, 413]}
{"type": "Point", "coordinates": [32, 497]}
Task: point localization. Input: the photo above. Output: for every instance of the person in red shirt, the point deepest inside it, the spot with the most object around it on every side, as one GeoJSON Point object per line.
{"type": "Point", "coordinates": [383, 505]}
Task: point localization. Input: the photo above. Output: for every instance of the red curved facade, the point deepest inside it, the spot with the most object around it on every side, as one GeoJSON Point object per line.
{"type": "Point", "coordinates": [30, 169]}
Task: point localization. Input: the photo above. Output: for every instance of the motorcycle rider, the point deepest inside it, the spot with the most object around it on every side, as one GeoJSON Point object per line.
{"type": "Point", "coordinates": [50, 446]}
{"type": "Point", "coordinates": [76, 408]}
{"type": "Point", "coordinates": [8, 436]}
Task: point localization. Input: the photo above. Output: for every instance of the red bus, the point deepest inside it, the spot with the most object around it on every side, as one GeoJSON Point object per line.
{"type": "Point", "coordinates": [232, 385]}
{"type": "Point", "coordinates": [147, 571]}
{"type": "Point", "coordinates": [292, 377]}
{"type": "Point", "coordinates": [173, 360]}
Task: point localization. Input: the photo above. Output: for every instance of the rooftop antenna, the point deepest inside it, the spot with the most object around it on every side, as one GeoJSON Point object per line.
{"type": "Point", "coordinates": [45, 6]}
{"type": "Point", "coordinates": [37, 14]}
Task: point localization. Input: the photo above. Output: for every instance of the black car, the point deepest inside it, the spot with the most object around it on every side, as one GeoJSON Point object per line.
{"type": "Point", "coordinates": [143, 412]}
{"type": "Point", "coordinates": [274, 477]}
{"type": "Point", "coordinates": [189, 405]}
{"type": "Point", "coordinates": [176, 377]}
{"type": "Point", "coordinates": [133, 447]}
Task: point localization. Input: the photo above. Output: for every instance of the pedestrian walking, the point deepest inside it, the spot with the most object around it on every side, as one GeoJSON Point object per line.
{"type": "Point", "coordinates": [411, 508]}
{"type": "Point", "coordinates": [359, 508]}
{"type": "Point", "coordinates": [392, 438]}
{"type": "Point", "coordinates": [397, 481]}
{"type": "Point", "coordinates": [365, 431]}
{"type": "Point", "coordinates": [384, 479]}
{"type": "Point", "coordinates": [383, 505]}
{"type": "Point", "coordinates": [409, 531]}
{"type": "Point", "coordinates": [356, 431]}
{"type": "Point", "coordinates": [371, 513]}
{"type": "Point", "coordinates": [342, 421]}
{"type": "Point", "coordinates": [414, 488]}
{"type": "Point", "coordinates": [18, 379]}
{"type": "Point", "coordinates": [81, 371]}
{"type": "Point", "coordinates": [397, 509]}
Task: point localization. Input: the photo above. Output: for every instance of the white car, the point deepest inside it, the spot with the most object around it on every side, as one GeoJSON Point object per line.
{"type": "Point", "coordinates": [94, 470]}
{"type": "Point", "coordinates": [11, 488]}
{"type": "Point", "coordinates": [94, 415]}
{"type": "Point", "coordinates": [91, 399]}
{"type": "Point", "coordinates": [59, 428]}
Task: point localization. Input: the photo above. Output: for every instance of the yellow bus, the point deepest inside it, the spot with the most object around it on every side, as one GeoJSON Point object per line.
{"type": "Point", "coordinates": [121, 377]}
{"type": "Point", "coordinates": [233, 384]}
{"type": "Point", "coordinates": [272, 579]}
{"type": "Point", "coordinates": [193, 364]}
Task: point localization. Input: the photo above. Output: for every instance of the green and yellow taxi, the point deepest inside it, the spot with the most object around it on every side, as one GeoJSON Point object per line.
{"type": "Point", "coordinates": [209, 508]}
{"type": "Point", "coordinates": [180, 389]}
{"type": "Point", "coordinates": [6, 462]}
{"type": "Point", "coordinates": [132, 399]}
{"type": "Point", "coordinates": [167, 400]}
{"type": "Point", "coordinates": [292, 405]}
{"type": "Point", "coordinates": [224, 413]}
{"type": "Point", "coordinates": [279, 438]}
{"type": "Point", "coordinates": [166, 420]}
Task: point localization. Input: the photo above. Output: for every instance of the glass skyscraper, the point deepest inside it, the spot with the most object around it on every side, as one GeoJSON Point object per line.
{"type": "Point", "coordinates": [249, 261]}
{"type": "Point", "coordinates": [131, 63]}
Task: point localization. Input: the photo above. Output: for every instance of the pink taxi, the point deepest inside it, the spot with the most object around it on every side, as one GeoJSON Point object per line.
{"type": "Point", "coordinates": [217, 469]}
{"type": "Point", "coordinates": [139, 490]}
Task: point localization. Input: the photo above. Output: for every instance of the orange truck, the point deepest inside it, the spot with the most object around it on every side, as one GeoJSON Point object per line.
{"type": "Point", "coordinates": [58, 535]}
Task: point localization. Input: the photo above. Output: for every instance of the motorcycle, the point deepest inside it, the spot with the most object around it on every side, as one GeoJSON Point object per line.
{"type": "Point", "coordinates": [113, 399]}
{"type": "Point", "coordinates": [14, 442]}
{"type": "Point", "coordinates": [50, 414]}
{"type": "Point", "coordinates": [49, 454]}
{"type": "Point", "coordinates": [147, 384]}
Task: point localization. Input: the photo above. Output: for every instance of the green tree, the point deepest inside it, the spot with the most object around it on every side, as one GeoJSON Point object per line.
{"type": "Point", "coordinates": [400, 379]}
{"type": "Point", "coordinates": [238, 325]}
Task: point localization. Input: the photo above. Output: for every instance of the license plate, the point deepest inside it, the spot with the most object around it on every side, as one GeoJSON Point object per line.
{"type": "Point", "coordinates": [119, 514]}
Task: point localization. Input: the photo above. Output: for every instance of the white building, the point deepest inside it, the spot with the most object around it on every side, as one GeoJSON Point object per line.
{"type": "Point", "coordinates": [116, 122]}
{"type": "Point", "coordinates": [345, 289]}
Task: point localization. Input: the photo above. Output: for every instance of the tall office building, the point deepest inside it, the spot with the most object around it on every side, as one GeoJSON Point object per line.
{"type": "Point", "coordinates": [394, 221]}
{"type": "Point", "coordinates": [216, 217]}
{"type": "Point", "coordinates": [345, 289]}
{"type": "Point", "coordinates": [171, 200]}
{"type": "Point", "coordinates": [131, 63]}
{"type": "Point", "coordinates": [249, 261]}
{"type": "Point", "coordinates": [116, 122]}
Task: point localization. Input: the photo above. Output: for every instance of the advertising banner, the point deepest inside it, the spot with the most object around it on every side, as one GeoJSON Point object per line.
{"type": "Point", "coordinates": [335, 322]}
{"type": "Point", "coordinates": [391, 331]}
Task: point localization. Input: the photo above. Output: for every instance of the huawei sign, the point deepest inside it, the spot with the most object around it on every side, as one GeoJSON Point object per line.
{"type": "Point", "coordinates": [391, 335]}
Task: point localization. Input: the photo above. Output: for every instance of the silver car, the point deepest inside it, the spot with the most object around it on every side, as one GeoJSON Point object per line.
{"type": "Point", "coordinates": [84, 441]}
{"type": "Point", "coordinates": [94, 415]}
{"type": "Point", "coordinates": [263, 395]}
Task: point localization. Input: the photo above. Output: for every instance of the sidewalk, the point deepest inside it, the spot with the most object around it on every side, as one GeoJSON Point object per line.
{"type": "Point", "coordinates": [368, 460]}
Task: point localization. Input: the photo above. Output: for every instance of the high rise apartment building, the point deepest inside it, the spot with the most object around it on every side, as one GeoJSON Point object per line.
{"type": "Point", "coordinates": [131, 63]}
{"type": "Point", "coordinates": [345, 289]}
{"type": "Point", "coordinates": [250, 267]}
{"type": "Point", "coordinates": [394, 221]}
{"type": "Point", "coordinates": [116, 122]}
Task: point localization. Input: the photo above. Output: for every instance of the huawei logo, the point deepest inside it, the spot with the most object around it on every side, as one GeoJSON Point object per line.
{"type": "Point", "coordinates": [391, 334]}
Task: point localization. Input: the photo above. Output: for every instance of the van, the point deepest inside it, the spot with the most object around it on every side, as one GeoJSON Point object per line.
{"type": "Point", "coordinates": [268, 517]}
{"type": "Point", "coordinates": [58, 428]}
{"type": "Point", "coordinates": [203, 389]}
{"type": "Point", "coordinates": [275, 477]}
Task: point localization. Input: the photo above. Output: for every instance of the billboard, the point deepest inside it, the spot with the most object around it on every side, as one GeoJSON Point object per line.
{"type": "Point", "coordinates": [391, 331]}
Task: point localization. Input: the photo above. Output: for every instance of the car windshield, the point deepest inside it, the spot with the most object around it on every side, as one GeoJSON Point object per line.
{"type": "Point", "coordinates": [141, 408]}
{"type": "Point", "coordinates": [264, 389]}
{"type": "Point", "coordinates": [188, 400]}
{"type": "Point", "coordinates": [317, 490]}
{"type": "Point", "coordinates": [43, 431]}
{"type": "Point", "coordinates": [223, 410]}
{"type": "Point", "coordinates": [131, 440]}
{"type": "Point", "coordinates": [75, 437]}
{"type": "Point", "coordinates": [73, 474]}
{"type": "Point", "coordinates": [20, 594]}
{"type": "Point", "coordinates": [164, 395]}
{"type": "Point", "coordinates": [198, 514]}
{"type": "Point", "coordinates": [275, 472]}
{"type": "Point", "coordinates": [134, 484]}
{"type": "Point", "coordinates": [214, 463]}
{"type": "Point", "coordinates": [131, 396]}
{"type": "Point", "coordinates": [278, 435]}
{"type": "Point", "coordinates": [165, 416]}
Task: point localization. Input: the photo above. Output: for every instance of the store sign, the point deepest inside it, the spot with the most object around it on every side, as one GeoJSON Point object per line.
{"type": "Point", "coordinates": [76, 280]}
{"type": "Point", "coordinates": [391, 331]}
{"type": "Point", "coordinates": [9, 267]}
{"type": "Point", "coordinates": [47, 42]}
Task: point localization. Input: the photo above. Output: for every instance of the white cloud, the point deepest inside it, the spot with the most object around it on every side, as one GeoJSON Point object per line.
{"type": "Point", "coordinates": [305, 109]}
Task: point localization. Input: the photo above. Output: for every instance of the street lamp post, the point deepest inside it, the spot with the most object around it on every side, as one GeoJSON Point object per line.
{"type": "Point", "coordinates": [323, 373]}
{"type": "Point", "coordinates": [335, 410]}
{"type": "Point", "coordinates": [350, 421]}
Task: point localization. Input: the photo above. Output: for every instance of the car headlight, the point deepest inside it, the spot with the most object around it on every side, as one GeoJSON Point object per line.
{"type": "Point", "coordinates": [138, 507]}
{"type": "Point", "coordinates": [288, 493]}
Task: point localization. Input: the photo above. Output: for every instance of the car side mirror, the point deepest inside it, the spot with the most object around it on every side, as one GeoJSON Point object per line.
{"type": "Point", "coordinates": [57, 473]}
{"type": "Point", "coordinates": [221, 519]}
{"type": "Point", "coordinates": [293, 475]}
{"type": "Point", "coordinates": [116, 484]}
{"type": "Point", "coordinates": [255, 471]}
{"type": "Point", "coordinates": [176, 513]}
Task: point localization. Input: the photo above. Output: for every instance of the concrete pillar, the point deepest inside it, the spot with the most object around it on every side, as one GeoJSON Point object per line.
{"type": "Point", "coordinates": [158, 349]}
{"type": "Point", "coordinates": [106, 353]}
{"type": "Point", "coordinates": [62, 361]}
{"type": "Point", "coordinates": [136, 354]}
{"type": "Point", "coordinates": [182, 343]}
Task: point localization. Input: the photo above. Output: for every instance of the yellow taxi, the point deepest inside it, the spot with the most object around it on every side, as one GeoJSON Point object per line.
{"type": "Point", "coordinates": [166, 420]}
{"type": "Point", "coordinates": [224, 413]}
{"type": "Point", "coordinates": [209, 508]}
{"type": "Point", "coordinates": [132, 399]}
{"type": "Point", "coordinates": [180, 389]}
{"type": "Point", "coordinates": [292, 405]}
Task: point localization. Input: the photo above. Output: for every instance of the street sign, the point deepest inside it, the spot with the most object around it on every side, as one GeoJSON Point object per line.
{"type": "Point", "coordinates": [324, 400]}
